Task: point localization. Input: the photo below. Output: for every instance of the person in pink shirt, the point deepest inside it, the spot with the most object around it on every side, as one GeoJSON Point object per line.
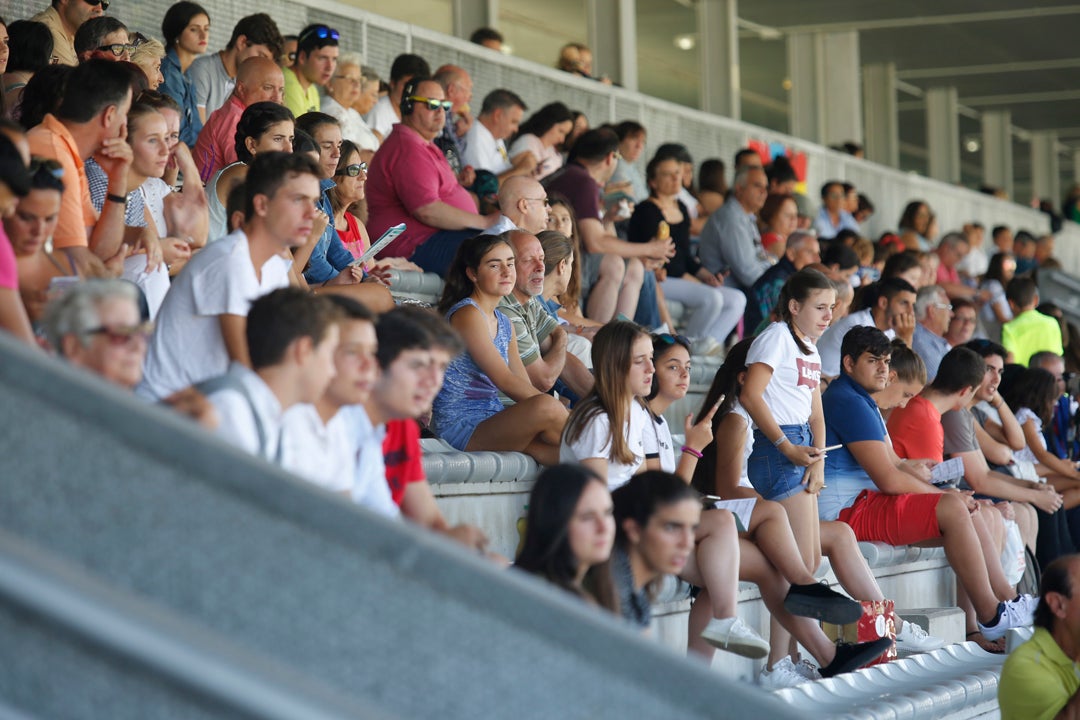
{"type": "Point", "coordinates": [953, 248]}
{"type": "Point", "coordinates": [259, 79]}
{"type": "Point", "coordinates": [410, 181]}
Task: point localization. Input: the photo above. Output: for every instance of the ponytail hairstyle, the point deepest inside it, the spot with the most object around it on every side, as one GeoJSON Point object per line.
{"type": "Point", "coordinates": [726, 383]}
{"type": "Point", "coordinates": [798, 289]}
{"type": "Point", "coordinates": [641, 497]}
{"type": "Point", "coordinates": [545, 550]}
{"type": "Point", "coordinates": [558, 247]}
{"type": "Point", "coordinates": [135, 115]}
{"type": "Point", "coordinates": [612, 353]}
{"type": "Point", "coordinates": [469, 255]}
{"type": "Point", "coordinates": [906, 363]}
{"type": "Point", "coordinates": [662, 343]}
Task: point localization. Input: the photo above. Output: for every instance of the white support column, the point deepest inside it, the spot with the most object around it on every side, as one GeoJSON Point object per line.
{"type": "Point", "coordinates": [718, 32]}
{"type": "Point", "coordinates": [826, 94]}
{"type": "Point", "coordinates": [879, 112]}
{"type": "Point", "coordinates": [943, 134]}
{"type": "Point", "coordinates": [1045, 166]}
{"type": "Point", "coordinates": [472, 14]}
{"type": "Point", "coordinates": [610, 22]}
{"type": "Point", "coordinates": [997, 153]}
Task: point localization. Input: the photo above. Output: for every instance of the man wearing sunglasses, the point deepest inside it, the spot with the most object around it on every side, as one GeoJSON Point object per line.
{"type": "Point", "coordinates": [410, 181]}
{"type": "Point", "coordinates": [316, 58]}
{"type": "Point", "coordinates": [64, 18]}
{"type": "Point", "coordinates": [103, 38]}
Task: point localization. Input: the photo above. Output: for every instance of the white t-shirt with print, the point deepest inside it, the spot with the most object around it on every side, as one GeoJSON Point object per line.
{"type": "Point", "coordinates": [483, 151]}
{"type": "Point", "coordinates": [795, 376]}
{"type": "Point", "coordinates": [187, 346]}
{"type": "Point", "coordinates": [595, 442]}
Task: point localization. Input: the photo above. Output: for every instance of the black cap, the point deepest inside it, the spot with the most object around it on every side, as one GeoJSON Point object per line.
{"type": "Point", "coordinates": [13, 172]}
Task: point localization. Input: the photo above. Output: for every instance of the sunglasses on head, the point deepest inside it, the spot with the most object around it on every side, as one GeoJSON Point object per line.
{"type": "Point", "coordinates": [433, 104]}
{"type": "Point", "coordinates": [138, 39]}
{"type": "Point", "coordinates": [45, 165]}
{"type": "Point", "coordinates": [117, 49]}
{"type": "Point", "coordinates": [321, 32]}
{"type": "Point", "coordinates": [669, 339]}
{"type": "Point", "coordinates": [94, 3]}
{"type": "Point", "coordinates": [353, 170]}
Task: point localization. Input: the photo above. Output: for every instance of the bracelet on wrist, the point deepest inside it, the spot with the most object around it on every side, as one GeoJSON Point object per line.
{"type": "Point", "coordinates": [780, 441]}
{"type": "Point", "coordinates": [119, 199]}
{"type": "Point", "coordinates": [691, 451]}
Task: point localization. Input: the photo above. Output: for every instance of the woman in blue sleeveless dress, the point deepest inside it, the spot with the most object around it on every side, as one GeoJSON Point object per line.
{"type": "Point", "coordinates": [467, 412]}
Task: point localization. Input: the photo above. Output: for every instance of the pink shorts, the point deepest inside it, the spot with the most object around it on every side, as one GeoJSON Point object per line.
{"type": "Point", "coordinates": [893, 519]}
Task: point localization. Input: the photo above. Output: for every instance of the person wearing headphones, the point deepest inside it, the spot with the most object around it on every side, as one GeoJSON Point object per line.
{"type": "Point", "coordinates": [410, 181]}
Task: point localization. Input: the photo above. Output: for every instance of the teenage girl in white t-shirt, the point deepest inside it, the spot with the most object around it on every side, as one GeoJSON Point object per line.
{"type": "Point", "coordinates": [782, 397]}
{"type": "Point", "coordinates": [623, 369]}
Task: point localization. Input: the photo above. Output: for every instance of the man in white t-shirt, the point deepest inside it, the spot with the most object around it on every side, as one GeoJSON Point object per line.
{"type": "Point", "coordinates": [292, 336]}
{"type": "Point", "coordinates": [387, 111]}
{"type": "Point", "coordinates": [485, 143]}
{"type": "Point", "coordinates": [318, 439]}
{"type": "Point", "coordinates": [201, 324]}
{"type": "Point", "coordinates": [893, 312]}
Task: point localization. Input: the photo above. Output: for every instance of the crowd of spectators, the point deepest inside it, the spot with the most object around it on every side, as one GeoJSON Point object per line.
{"type": "Point", "coordinates": [193, 228]}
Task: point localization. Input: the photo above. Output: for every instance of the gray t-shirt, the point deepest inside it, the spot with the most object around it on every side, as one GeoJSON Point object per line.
{"type": "Point", "coordinates": [959, 428]}
{"type": "Point", "coordinates": [212, 84]}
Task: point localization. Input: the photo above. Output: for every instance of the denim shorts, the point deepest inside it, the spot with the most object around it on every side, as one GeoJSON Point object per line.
{"type": "Point", "coordinates": [772, 474]}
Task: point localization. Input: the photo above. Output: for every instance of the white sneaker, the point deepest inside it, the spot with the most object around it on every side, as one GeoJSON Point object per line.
{"type": "Point", "coordinates": [707, 347]}
{"type": "Point", "coordinates": [912, 638]}
{"type": "Point", "coordinates": [808, 669]}
{"type": "Point", "coordinates": [1014, 614]}
{"type": "Point", "coordinates": [784, 674]}
{"type": "Point", "coordinates": [733, 635]}
{"type": "Point", "coordinates": [1029, 603]}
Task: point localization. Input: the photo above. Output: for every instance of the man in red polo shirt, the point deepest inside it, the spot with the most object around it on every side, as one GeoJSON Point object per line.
{"type": "Point", "coordinates": [410, 181]}
{"type": "Point", "coordinates": [259, 79]}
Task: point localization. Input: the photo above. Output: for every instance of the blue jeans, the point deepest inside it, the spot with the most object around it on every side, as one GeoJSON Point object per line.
{"type": "Point", "coordinates": [437, 252]}
{"type": "Point", "coordinates": [648, 311]}
{"type": "Point", "coordinates": [772, 474]}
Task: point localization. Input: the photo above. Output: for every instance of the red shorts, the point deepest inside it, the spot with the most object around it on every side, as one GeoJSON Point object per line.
{"type": "Point", "coordinates": [893, 519]}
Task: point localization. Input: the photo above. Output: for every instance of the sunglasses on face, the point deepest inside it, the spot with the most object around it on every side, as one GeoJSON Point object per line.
{"type": "Point", "coordinates": [117, 49]}
{"type": "Point", "coordinates": [353, 170]}
{"type": "Point", "coordinates": [94, 3]}
{"type": "Point", "coordinates": [544, 200]}
{"type": "Point", "coordinates": [432, 104]}
{"type": "Point", "coordinates": [121, 335]}
{"type": "Point", "coordinates": [321, 32]}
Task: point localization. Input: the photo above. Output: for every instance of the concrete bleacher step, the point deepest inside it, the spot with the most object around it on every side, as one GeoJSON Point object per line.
{"type": "Point", "coordinates": [957, 680]}
{"type": "Point", "coordinates": [146, 502]}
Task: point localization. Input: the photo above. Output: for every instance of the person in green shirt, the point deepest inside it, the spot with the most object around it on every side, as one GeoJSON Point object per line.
{"type": "Point", "coordinates": [1040, 679]}
{"type": "Point", "coordinates": [1029, 331]}
{"type": "Point", "coordinates": [316, 60]}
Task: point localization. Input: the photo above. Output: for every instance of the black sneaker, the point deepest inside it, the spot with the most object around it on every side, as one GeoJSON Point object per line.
{"type": "Point", "coordinates": [821, 602]}
{"type": "Point", "coordinates": [851, 656]}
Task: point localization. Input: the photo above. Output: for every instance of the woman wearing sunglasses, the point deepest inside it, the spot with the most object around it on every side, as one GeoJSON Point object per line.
{"type": "Point", "coordinates": [346, 197]}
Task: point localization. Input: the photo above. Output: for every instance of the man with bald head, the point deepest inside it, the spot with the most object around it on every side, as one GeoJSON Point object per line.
{"type": "Point", "coordinates": [523, 203]}
{"type": "Point", "coordinates": [541, 339]}
{"type": "Point", "coordinates": [409, 181]}
{"type": "Point", "coordinates": [259, 79]}
{"type": "Point", "coordinates": [457, 86]}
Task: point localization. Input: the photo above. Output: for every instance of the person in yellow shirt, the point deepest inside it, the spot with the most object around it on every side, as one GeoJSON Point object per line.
{"type": "Point", "coordinates": [316, 59]}
{"type": "Point", "coordinates": [1040, 679]}
{"type": "Point", "coordinates": [1029, 331]}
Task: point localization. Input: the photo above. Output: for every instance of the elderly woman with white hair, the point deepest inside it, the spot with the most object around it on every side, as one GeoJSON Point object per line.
{"type": "Point", "coordinates": [148, 55]}
{"type": "Point", "coordinates": [98, 325]}
{"type": "Point", "coordinates": [351, 85]}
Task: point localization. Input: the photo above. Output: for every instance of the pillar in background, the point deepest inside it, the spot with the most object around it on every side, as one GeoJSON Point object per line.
{"type": "Point", "coordinates": [826, 94]}
{"type": "Point", "coordinates": [997, 155]}
{"type": "Point", "coordinates": [879, 112]}
{"type": "Point", "coordinates": [472, 14]}
{"type": "Point", "coordinates": [610, 23]}
{"type": "Point", "coordinates": [718, 32]}
{"type": "Point", "coordinates": [943, 134]}
{"type": "Point", "coordinates": [1045, 167]}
